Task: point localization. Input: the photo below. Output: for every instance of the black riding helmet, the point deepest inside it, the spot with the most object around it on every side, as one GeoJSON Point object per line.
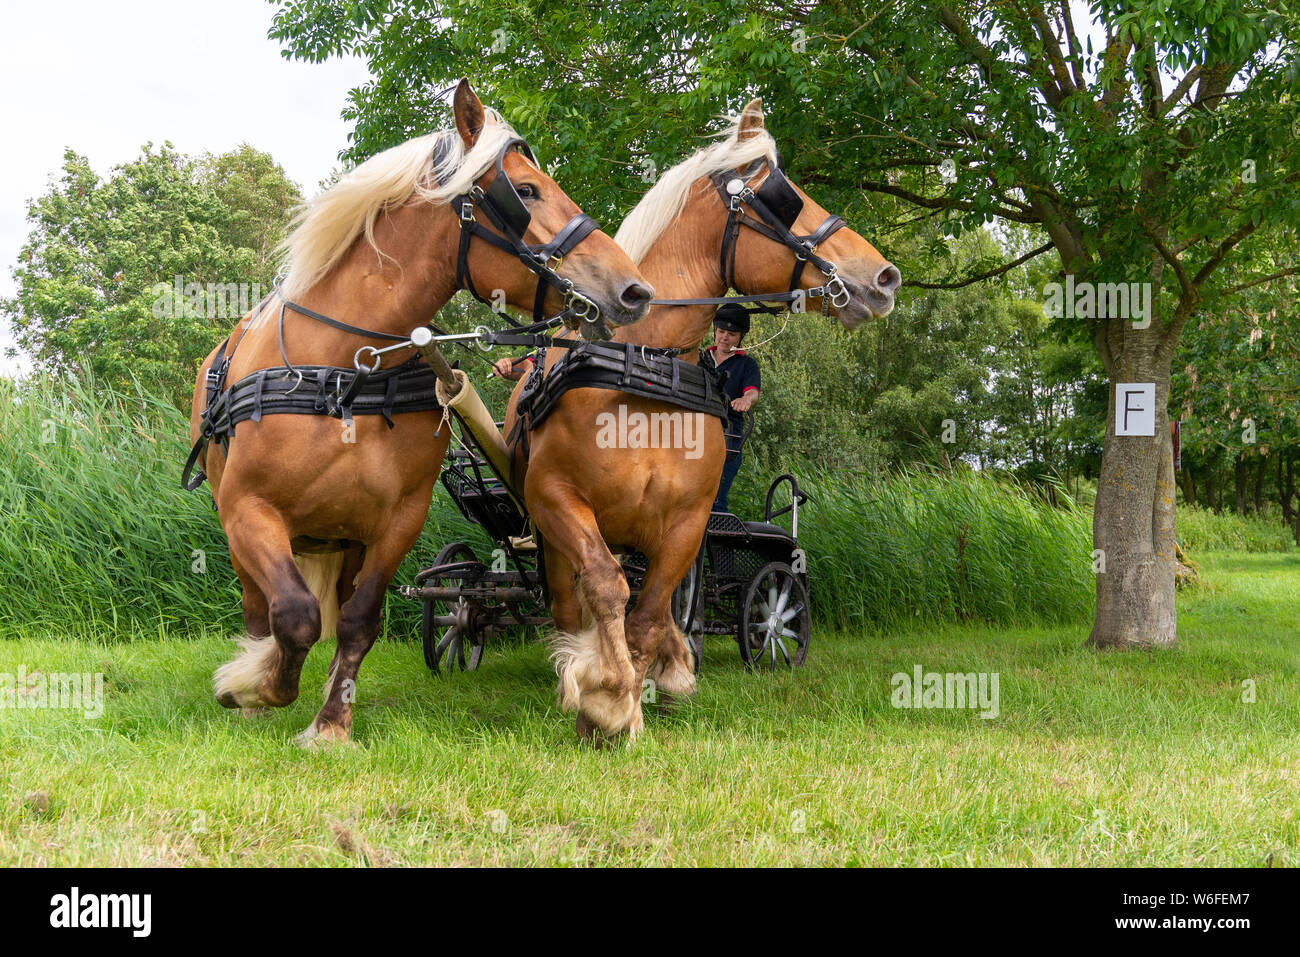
{"type": "Point", "coordinates": [733, 317]}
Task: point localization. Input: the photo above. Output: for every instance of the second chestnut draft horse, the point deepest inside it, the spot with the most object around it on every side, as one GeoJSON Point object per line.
{"type": "Point", "coordinates": [384, 249]}
{"type": "Point", "coordinates": [724, 217]}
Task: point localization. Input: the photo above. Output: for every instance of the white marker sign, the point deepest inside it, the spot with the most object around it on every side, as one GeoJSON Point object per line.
{"type": "Point", "coordinates": [1135, 408]}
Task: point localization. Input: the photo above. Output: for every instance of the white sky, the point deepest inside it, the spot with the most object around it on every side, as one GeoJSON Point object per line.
{"type": "Point", "coordinates": [106, 76]}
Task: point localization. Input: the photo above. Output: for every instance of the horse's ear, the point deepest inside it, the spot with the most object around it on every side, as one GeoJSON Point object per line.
{"type": "Point", "coordinates": [468, 109]}
{"type": "Point", "coordinates": [751, 119]}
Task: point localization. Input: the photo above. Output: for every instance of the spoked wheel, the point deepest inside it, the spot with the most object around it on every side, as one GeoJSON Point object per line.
{"type": "Point", "coordinates": [461, 644]}
{"type": "Point", "coordinates": [775, 621]}
{"type": "Point", "coordinates": [458, 647]}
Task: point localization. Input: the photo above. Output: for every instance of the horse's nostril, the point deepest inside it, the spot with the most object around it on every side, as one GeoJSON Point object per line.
{"type": "Point", "coordinates": [635, 294]}
{"type": "Point", "coordinates": [888, 279]}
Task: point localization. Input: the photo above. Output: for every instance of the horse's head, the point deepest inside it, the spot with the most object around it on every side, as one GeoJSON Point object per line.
{"type": "Point", "coordinates": [762, 264]}
{"type": "Point", "coordinates": [524, 206]}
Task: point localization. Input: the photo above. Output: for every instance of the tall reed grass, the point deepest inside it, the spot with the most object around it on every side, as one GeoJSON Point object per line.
{"type": "Point", "coordinates": [97, 536]}
{"type": "Point", "coordinates": [96, 533]}
{"type": "Point", "coordinates": [919, 544]}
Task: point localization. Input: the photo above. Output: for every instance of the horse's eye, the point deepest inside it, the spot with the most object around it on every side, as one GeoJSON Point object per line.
{"type": "Point", "coordinates": [526, 191]}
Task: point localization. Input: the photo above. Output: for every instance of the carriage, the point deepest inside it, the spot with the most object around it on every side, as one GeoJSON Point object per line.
{"type": "Point", "coordinates": [749, 580]}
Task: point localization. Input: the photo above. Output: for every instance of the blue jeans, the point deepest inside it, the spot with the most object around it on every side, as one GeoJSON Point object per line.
{"type": "Point", "coordinates": [729, 470]}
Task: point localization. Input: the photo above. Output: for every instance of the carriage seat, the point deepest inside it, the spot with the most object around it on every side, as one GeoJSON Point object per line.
{"type": "Point", "coordinates": [764, 528]}
{"type": "Point", "coordinates": [727, 523]}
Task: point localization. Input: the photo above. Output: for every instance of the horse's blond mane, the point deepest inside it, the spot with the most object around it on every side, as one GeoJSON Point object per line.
{"type": "Point", "coordinates": [325, 228]}
{"type": "Point", "coordinates": [666, 199]}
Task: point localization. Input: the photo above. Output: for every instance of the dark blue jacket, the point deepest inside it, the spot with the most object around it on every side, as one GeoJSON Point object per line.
{"type": "Point", "coordinates": [742, 375]}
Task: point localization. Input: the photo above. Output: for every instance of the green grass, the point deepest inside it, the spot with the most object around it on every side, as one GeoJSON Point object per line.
{"type": "Point", "coordinates": [1117, 759]}
{"type": "Point", "coordinates": [1202, 529]}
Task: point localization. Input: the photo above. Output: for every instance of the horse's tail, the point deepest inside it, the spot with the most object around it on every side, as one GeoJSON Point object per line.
{"type": "Point", "coordinates": [321, 572]}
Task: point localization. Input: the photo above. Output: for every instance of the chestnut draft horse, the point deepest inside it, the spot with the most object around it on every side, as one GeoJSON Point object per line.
{"type": "Point", "coordinates": [386, 247]}
{"type": "Point", "coordinates": [691, 243]}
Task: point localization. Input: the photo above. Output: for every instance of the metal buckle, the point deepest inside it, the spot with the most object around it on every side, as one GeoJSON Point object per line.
{"type": "Point", "coordinates": [554, 262]}
{"type": "Point", "coordinates": [467, 211]}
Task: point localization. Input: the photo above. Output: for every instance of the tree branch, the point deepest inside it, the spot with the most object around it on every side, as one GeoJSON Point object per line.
{"type": "Point", "coordinates": [1167, 254]}
{"type": "Point", "coordinates": [1294, 270]}
{"type": "Point", "coordinates": [1181, 89]}
{"type": "Point", "coordinates": [943, 202]}
{"type": "Point", "coordinates": [1005, 267]}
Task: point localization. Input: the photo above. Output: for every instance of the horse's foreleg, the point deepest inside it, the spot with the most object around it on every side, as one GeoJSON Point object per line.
{"type": "Point", "coordinates": [267, 670]}
{"type": "Point", "coordinates": [658, 648]}
{"type": "Point", "coordinates": [257, 611]}
{"type": "Point", "coordinates": [596, 676]}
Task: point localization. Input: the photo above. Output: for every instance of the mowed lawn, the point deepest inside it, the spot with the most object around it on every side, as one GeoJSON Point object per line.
{"type": "Point", "coordinates": [1118, 759]}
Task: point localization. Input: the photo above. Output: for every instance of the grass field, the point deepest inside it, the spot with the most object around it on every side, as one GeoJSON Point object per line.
{"type": "Point", "coordinates": [1123, 759]}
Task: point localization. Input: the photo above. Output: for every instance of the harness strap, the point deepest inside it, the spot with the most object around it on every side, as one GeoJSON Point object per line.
{"type": "Point", "coordinates": [346, 327]}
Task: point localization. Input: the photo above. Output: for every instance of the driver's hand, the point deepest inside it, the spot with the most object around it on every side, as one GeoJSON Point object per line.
{"type": "Point", "coordinates": [505, 368]}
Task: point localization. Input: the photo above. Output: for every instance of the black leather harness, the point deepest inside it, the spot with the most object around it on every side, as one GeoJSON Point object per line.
{"type": "Point", "coordinates": [777, 205]}
{"type": "Point", "coordinates": [623, 367]}
{"type": "Point", "coordinates": [307, 390]}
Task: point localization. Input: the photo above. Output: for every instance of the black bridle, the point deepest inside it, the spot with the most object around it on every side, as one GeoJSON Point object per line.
{"type": "Point", "coordinates": [501, 204]}
{"type": "Point", "coordinates": [777, 206]}
{"type": "Point", "coordinates": [504, 209]}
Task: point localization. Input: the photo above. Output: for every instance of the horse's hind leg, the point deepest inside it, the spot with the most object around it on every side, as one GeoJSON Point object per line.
{"type": "Point", "coordinates": [364, 581]}
{"type": "Point", "coordinates": [267, 670]}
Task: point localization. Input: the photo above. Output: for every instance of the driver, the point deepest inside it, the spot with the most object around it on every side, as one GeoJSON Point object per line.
{"type": "Point", "coordinates": [730, 324]}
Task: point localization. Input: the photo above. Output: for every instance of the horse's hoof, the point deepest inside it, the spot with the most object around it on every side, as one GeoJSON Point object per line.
{"type": "Point", "coordinates": [589, 732]}
{"type": "Point", "coordinates": [227, 700]}
{"type": "Point", "coordinates": [314, 738]}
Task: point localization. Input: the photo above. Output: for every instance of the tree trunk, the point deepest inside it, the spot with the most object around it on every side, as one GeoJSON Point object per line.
{"type": "Point", "coordinates": [1133, 519]}
{"type": "Point", "coordinates": [1259, 486]}
{"type": "Point", "coordinates": [1239, 476]}
{"type": "Point", "coordinates": [1188, 483]}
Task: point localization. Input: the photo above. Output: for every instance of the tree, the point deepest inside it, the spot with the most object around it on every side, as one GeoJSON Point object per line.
{"type": "Point", "coordinates": [142, 273]}
{"type": "Point", "coordinates": [1238, 392]}
{"type": "Point", "coordinates": [1150, 144]}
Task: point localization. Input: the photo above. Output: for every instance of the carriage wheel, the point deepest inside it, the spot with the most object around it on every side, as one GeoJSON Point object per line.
{"type": "Point", "coordinates": [461, 645]}
{"type": "Point", "coordinates": [775, 621]}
